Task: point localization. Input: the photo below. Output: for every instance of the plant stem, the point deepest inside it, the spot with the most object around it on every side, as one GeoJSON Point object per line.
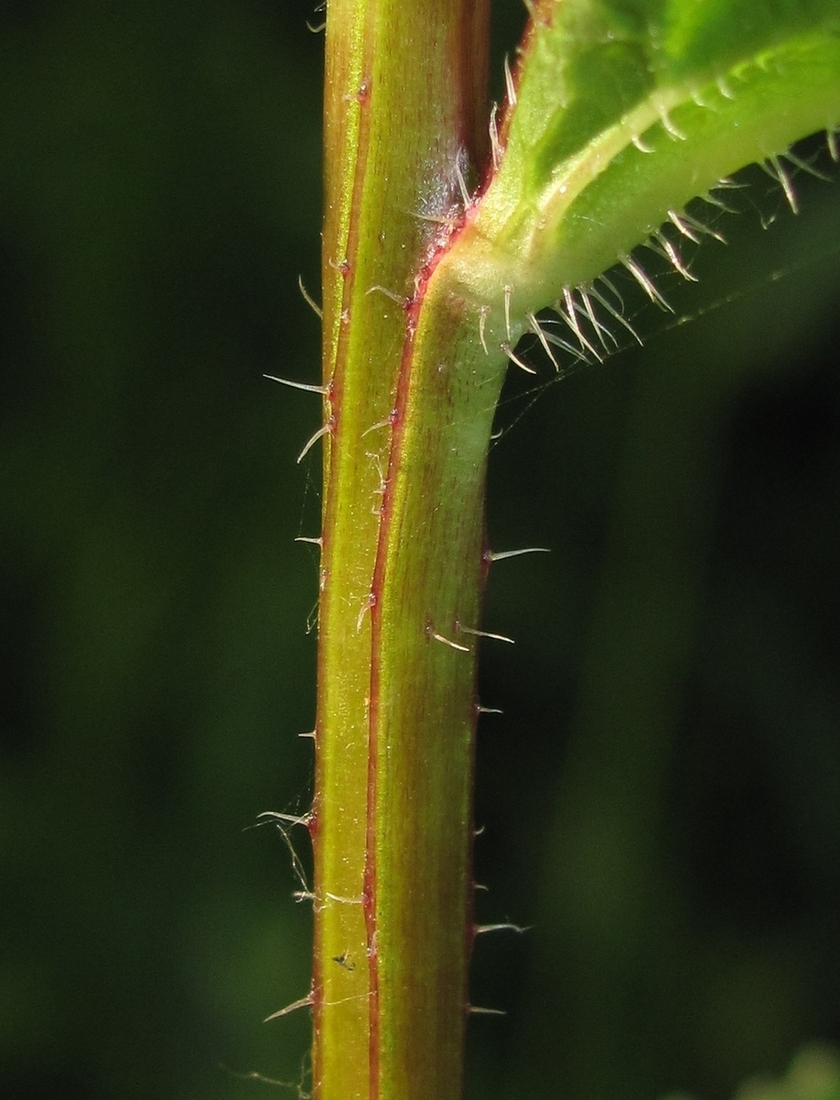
{"type": "Point", "coordinates": [618, 125]}
{"type": "Point", "coordinates": [391, 824]}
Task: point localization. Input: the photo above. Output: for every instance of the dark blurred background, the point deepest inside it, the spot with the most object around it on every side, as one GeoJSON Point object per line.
{"type": "Point", "coordinates": [661, 798]}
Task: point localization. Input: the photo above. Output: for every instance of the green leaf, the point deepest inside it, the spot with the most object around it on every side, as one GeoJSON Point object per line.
{"type": "Point", "coordinates": [625, 111]}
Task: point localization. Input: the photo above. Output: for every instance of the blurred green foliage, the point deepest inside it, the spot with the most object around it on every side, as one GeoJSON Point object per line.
{"type": "Point", "coordinates": [662, 796]}
{"type": "Point", "coordinates": [814, 1074]}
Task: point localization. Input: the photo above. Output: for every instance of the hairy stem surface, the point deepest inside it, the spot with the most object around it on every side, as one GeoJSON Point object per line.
{"type": "Point", "coordinates": [619, 114]}
{"type": "Point", "coordinates": [404, 113]}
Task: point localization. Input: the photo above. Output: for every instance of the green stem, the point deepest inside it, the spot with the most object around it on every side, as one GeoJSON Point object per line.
{"type": "Point", "coordinates": [429, 574]}
{"type": "Point", "coordinates": [404, 104]}
{"type": "Point", "coordinates": [621, 119]}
